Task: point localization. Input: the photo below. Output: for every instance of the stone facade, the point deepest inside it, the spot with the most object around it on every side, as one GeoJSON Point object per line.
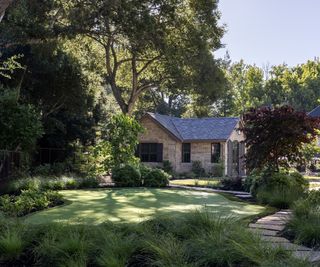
{"type": "Point", "coordinates": [172, 147]}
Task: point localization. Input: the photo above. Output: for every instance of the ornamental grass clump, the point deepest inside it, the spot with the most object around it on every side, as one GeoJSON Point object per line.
{"type": "Point", "coordinates": [304, 227]}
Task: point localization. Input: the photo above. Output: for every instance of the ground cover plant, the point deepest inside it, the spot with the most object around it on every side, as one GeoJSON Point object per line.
{"type": "Point", "coordinates": [194, 239]}
{"type": "Point", "coordinates": [137, 204]}
{"type": "Point", "coordinates": [49, 183]}
{"type": "Point", "coordinates": [29, 201]}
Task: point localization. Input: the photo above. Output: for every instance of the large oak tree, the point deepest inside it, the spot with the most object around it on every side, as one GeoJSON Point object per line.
{"type": "Point", "coordinates": [151, 44]}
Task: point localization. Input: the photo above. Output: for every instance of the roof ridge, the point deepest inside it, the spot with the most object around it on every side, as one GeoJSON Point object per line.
{"type": "Point", "coordinates": [180, 135]}
{"type": "Point", "coordinates": [314, 109]}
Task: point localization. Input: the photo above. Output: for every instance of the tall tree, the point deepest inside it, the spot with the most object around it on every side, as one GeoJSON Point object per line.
{"type": "Point", "coordinates": [275, 137]}
{"type": "Point", "coordinates": [151, 44]}
{"type": "Point", "coordinates": [4, 4]}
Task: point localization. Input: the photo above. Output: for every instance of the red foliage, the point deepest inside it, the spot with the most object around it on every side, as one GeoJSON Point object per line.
{"type": "Point", "coordinates": [275, 136]}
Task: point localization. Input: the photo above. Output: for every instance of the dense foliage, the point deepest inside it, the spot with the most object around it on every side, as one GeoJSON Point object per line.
{"type": "Point", "coordinates": [126, 176]}
{"type": "Point", "coordinates": [29, 201]}
{"type": "Point", "coordinates": [122, 135]}
{"type": "Point", "coordinates": [20, 124]}
{"type": "Point", "coordinates": [196, 239]}
{"type": "Point", "coordinates": [275, 136]}
{"type": "Point", "coordinates": [304, 226]}
{"type": "Point", "coordinates": [279, 189]}
{"type": "Point", "coordinates": [151, 45]}
{"type": "Point", "coordinates": [156, 178]}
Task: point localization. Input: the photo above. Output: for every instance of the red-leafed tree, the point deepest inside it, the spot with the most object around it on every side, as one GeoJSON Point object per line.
{"type": "Point", "coordinates": [275, 136]}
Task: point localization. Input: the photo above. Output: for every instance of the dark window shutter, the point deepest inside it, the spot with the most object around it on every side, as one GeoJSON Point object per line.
{"type": "Point", "coordinates": [159, 152]}
{"type": "Point", "coordinates": [137, 152]}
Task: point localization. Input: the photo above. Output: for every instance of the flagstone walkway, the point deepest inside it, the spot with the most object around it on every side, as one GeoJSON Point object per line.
{"type": "Point", "coordinates": [269, 228]}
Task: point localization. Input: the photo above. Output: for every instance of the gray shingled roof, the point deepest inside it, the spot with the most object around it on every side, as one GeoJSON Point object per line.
{"type": "Point", "coordinates": [197, 128]}
{"type": "Point", "coordinates": [315, 112]}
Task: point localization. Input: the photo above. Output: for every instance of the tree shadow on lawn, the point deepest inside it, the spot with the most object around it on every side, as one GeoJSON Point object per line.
{"type": "Point", "coordinates": [137, 204]}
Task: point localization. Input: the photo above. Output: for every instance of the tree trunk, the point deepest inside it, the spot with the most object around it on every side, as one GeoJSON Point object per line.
{"type": "Point", "coordinates": [4, 4]}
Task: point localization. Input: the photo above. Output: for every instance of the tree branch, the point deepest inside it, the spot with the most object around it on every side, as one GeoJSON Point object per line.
{"type": "Point", "coordinates": [148, 63]}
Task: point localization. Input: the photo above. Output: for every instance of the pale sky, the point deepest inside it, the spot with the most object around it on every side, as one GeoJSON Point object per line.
{"type": "Point", "coordinates": [271, 31]}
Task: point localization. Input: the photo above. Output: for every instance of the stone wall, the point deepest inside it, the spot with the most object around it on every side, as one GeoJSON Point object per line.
{"type": "Point", "coordinates": [156, 134]}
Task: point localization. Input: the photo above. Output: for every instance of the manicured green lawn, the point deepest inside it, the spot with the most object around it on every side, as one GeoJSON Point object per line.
{"type": "Point", "coordinates": [196, 182]}
{"type": "Point", "coordinates": [134, 205]}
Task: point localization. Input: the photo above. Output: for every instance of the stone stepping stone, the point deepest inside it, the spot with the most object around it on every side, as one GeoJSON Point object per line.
{"type": "Point", "coordinates": [274, 239]}
{"type": "Point", "coordinates": [263, 232]}
{"type": "Point", "coordinates": [289, 246]}
{"type": "Point", "coordinates": [244, 196]}
{"type": "Point", "coordinates": [267, 226]}
{"type": "Point", "coordinates": [274, 218]}
{"type": "Point", "coordinates": [312, 256]}
{"type": "Point", "coordinates": [268, 221]}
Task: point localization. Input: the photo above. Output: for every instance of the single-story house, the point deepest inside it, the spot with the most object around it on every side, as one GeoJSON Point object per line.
{"type": "Point", "coordinates": [181, 141]}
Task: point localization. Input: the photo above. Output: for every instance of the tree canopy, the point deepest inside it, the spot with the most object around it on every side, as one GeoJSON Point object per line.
{"type": "Point", "coordinates": [151, 44]}
{"type": "Point", "coordinates": [275, 137]}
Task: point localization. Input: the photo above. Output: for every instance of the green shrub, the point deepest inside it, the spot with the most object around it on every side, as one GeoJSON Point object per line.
{"type": "Point", "coordinates": [232, 183]}
{"type": "Point", "coordinates": [88, 182]}
{"type": "Point", "coordinates": [29, 201]}
{"type": "Point", "coordinates": [167, 166]}
{"type": "Point", "coordinates": [280, 189]}
{"type": "Point", "coordinates": [217, 170]}
{"type": "Point", "coordinates": [42, 170]}
{"type": "Point", "coordinates": [127, 175]}
{"type": "Point", "coordinates": [156, 178]}
{"type": "Point", "coordinates": [71, 183]}
{"type": "Point", "coordinates": [305, 224]}
{"type": "Point", "coordinates": [280, 197]}
{"type": "Point", "coordinates": [144, 170]}
{"type": "Point", "coordinates": [197, 168]}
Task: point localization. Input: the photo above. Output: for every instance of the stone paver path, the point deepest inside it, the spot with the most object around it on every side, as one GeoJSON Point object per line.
{"type": "Point", "coordinates": [269, 228]}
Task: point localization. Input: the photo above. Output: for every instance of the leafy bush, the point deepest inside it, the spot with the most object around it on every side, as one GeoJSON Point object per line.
{"type": "Point", "coordinates": [232, 183]}
{"type": "Point", "coordinates": [123, 132]}
{"type": "Point", "coordinates": [197, 168]}
{"type": "Point", "coordinates": [156, 178]}
{"type": "Point", "coordinates": [305, 226]}
{"type": "Point", "coordinates": [144, 170]}
{"type": "Point", "coordinates": [50, 183]}
{"type": "Point", "coordinates": [55, 169]}
{"type": "Point", "coordinates": [217, 170]}
{"type": "Point", "coordinates": [280, 189]}
{"type": "Point", "coordinates": [126, 175]}
{"type": "Point", "coordinates": [29, 201]}
{"type": "Point", "coordinates": [88, 182]}
{"type": "Point", "coordinates": [280, 197]}
{"type": "Point", "coordinates": [167, 166]}
{"type": "Point", "coordinates": [15, 186]}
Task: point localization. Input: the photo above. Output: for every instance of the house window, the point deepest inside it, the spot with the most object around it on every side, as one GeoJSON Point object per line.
{"type": "Point", "coordinates": [186, 152]}
{"type": "Point", "coordinates": [150, 152]}
{"type": "Point", "coordinates": [215, 152]}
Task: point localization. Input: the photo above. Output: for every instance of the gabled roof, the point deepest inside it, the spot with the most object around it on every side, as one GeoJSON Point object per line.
{"type": "Point", "coordinates": [315, 112]}
{"type": "Point", "coordinates": [197, 129]}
